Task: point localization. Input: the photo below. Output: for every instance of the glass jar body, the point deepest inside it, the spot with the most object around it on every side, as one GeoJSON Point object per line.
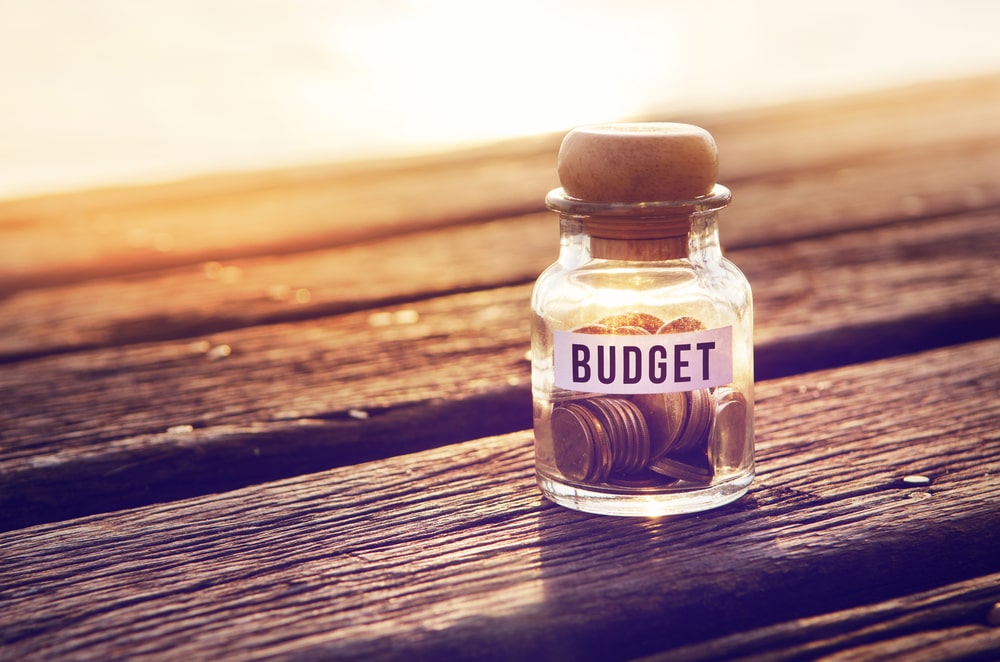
{"type": "Point", "coordinates": [649, 431]}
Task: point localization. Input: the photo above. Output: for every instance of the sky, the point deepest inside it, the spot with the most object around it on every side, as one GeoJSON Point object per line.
{"type": "Point", "coordinates": [103, 92]}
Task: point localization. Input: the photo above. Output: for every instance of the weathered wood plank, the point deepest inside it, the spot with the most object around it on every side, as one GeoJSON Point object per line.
{"type": "Point", "coordinates": [122, 426]}
{"type": "Point", "coordinates": [452, 550]}
{"type": "Point", "coordinates": [204, 298]}
{"type": "Point", "coordinates": [946, 623]}
{"type": "Point", "coordinates": [902, 184]}
{"type": "Point", "coordinates": [936, 269]}
{"type": "Point", "coordinates": [839, 299]}
{"type": "Point", "coordinates": [68, 237]}
{"type": "Point", "coordinates": [150, 419]}
{"type": "Point", "coordinates": [213, 297]}
{"type": "Point", "coordinates": [65, 238]}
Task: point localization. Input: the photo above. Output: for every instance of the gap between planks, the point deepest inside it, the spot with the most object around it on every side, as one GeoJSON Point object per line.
{"type": "Point", "coordinates": [65, 238]}
{"type": "Point", "coordinates": [218, 297]}
{"type": "Point", "coordinates": [453, 551]}
{"type": "Point", "coordinates": [130, 425]}
{"type": "Point", "coordinates": [950, 622]}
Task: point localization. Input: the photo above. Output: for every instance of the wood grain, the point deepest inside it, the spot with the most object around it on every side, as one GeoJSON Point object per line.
{"type": "Point", "coordinates": [900, 188]}
{"type": "Point", "coordinates": [305, 351]}
{"type": "Point", "coordinates": [949, 622]}
{"type": "Point", "coordinates": [452, 551]}
{"type": "Point", "coordinates": [63, 238]}
{"type": "Point", "coordinates": [128, 425]}
{"type": "Point", "coordinates": [946, 130]}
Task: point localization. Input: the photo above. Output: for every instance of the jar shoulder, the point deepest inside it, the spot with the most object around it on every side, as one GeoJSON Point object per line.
{"type": "Point", "coordinates": [547, 283]}
{"type": "Point", "coordinates": [715, 294]}
{"type": "Point", "coordinates": [721, 276]}
{"type": "Point", "coordinates": [727, 280]}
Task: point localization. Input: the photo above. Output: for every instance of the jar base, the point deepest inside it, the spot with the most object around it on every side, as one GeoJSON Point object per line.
{"type": "Point", "coordinates": [643, 504]}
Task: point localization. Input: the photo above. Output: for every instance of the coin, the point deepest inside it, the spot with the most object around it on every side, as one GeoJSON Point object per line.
{"type": "Point", "coordinates": [606, 418]}
{"type": "Point", "coordinates": [643, 480]}
{"type": "Point", "coordinates": [572, 443]}
{"type": "Point", "coordinates": [694, 469]}
{"type": "Point", "coordinates": [563, 394]}
{"type": "Point", "coordinates": [599, 435]}
{"type": "Point", "coordinates": [636, 434]}
{"type": "Point", "coordinates": [596, 329]}
{"type": "Point", "coordinates": [681, 325]}
{"type": "Point", "coordinates": [629, 331]}
{"type": "Point", "coordinates": [695, 434]}
{"type": "Point", "coordinates": [640, 432]}
{"type": "Point", "coordinates": [644, 321]}
{"type": "Point", "coordinates": [727, 441]}
{"type": "Point", "coordinates": [603, 449]}
{"type": "Point", "coordinates": [607, 439]}
{"type": "Point", "coordinates": [632, 455]}
{"type": "Point", "coordinates": [625, 430]}
{"type": "Point", "coordinates": [665, 415]}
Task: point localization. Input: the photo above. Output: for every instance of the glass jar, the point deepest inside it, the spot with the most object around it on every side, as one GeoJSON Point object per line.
{"type": "Point", "coordinates": [642, 360]}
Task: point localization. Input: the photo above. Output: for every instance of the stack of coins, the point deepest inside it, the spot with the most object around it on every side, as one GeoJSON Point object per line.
{"type": "Point", "coordinates": [682, 422]}
{"type": "Point", "coordinates": [666, 415]}
{"type": "Point", "coordinates": [597, 436]}
{"type": "Point", "coordinates": [648, 440]}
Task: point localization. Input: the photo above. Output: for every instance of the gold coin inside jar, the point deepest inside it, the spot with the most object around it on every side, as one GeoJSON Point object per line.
{"type": "Point", "coordinates": [665, 415]}
{"type": "Point", "coordinates": [645, 479]}
{"type": "Point", "coordinates": [636, 435]}
{"type": "Point", "coordinates": [694, 469]}
{"type": "Point", "coordinates": [727, 441]}
{"type": "Point", "coordinates": [629, 331]}
{"type": "Point", "coordinates": [606, 418]}
{"type": "Point", "coordinates": [695, 435]}
{"type": "Point", "coordinates": [645, 321]}
{"type": "Point", "coordinates": [572, 443]}
{"type": "Point", "coordinates": [681, 325]}
{"type": "Point", "coordinates": [625, 430]}
{"type": "Point", "coordinates": [603, 449]}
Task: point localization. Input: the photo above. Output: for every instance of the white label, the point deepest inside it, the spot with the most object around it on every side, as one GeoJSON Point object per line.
{"type": "Point", "coordinates": [643, 364]}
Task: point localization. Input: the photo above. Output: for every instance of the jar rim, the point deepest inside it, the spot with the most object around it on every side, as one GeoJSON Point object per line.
{"type": "Point", "coordinates": [558, 201]}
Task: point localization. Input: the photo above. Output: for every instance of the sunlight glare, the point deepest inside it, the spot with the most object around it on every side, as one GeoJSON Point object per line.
{"type": "Point", "coordinates": [451, 71]}
{"type": "Point", "coordinates": [112, 92]}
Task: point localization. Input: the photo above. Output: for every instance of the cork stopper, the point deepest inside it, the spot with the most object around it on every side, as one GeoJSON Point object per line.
{"type": "Point", "coordinates": [641, 162]}
{"type": "Point", "coordinates": [638, 162]}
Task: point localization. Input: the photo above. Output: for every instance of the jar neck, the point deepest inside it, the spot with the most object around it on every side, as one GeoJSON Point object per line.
{"type": "Point", "coordinates": [643, 231]}
{"type": "Point", "coordinates": [694, 238]}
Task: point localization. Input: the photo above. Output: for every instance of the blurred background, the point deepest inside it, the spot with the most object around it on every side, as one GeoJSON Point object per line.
{"type": "Point", "coordinates": [100, 92]}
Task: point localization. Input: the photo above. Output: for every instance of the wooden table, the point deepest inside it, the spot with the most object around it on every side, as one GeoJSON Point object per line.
{"type": "Point", "coordinates": [286, 414]}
